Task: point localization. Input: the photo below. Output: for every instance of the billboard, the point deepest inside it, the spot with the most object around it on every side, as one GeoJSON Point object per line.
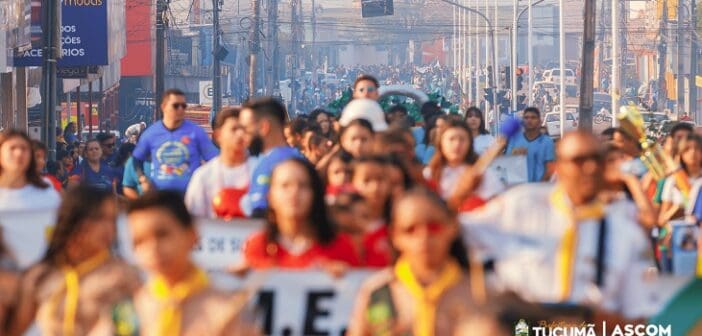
{"type": "Point", "coordinates": [87, 36]}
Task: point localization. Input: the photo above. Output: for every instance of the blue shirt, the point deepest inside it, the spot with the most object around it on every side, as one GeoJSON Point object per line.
{"type": "Point", "coordinates": [174, 154]}
{"type": "Point", "coordinates": [261, 177]}
{"type": "Point", "coordinates": [101, 179]}
{"type": "Point", "coordinates": [131, 179]}
{"type": "Point", "coordinates": [539, 151]}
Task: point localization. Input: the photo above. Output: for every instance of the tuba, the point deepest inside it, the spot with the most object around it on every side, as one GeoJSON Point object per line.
{"type": "Point", "coordinates": [659, 163]}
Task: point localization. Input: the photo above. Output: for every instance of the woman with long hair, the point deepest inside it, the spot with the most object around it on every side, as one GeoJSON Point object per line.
{"type": "Point", "coordinates": [454, 156]}
{"type": "Point", "coordinates": [21, 185]}
{"type": "Point", "coordinates": [299, 234]}
{"type": "Point", "coordinates": [476, 123]}
{"type": "Point", "coordinates": [78, 284]}
{"type": "Point", "coordinates": [676, 190]}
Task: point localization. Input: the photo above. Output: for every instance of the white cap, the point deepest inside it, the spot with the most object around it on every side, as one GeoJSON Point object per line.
{"type": "Point", "coordinates": [366, 109]}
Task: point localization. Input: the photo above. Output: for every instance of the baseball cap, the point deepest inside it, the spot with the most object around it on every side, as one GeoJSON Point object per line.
{"type": "Point", "coordinates": [367, 109]}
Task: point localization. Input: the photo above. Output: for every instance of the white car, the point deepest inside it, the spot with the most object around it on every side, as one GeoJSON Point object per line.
{"type": "Point", "coordinates": [552, 122]}
{"type": "Point", "coordinates": [555, 76]}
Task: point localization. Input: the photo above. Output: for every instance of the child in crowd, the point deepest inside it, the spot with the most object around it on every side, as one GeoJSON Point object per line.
{"type": "Point", "coordinates": [298, 234]}
{"type": "Point", "coordinates": [178, 298]}
{"type": "Point", "coordinates": [78, 284]}
{"type": "Point", "coordinates": [217, 187]}
{"type": "Point", "coordinates": [454, 155]}
{"type": "Point", "coordinates": [357, 138]}
{"type": "Point", "coordinates": [370, 180]}
{"type": "Point", "coordinates": [337, 175]}
{"type": "Point", "coordinates": [425, 290]}
{"type": "Point", "coordinates": [351, 213]}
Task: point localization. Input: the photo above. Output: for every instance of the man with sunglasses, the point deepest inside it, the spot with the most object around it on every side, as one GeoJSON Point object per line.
{"type": "Point", "coordinates": [558, 243]}
{"type": "Point", "coordinates": [108, 144]}
{"type": "Point", "coordinates": [175, 146]}
{"type": "Point", "coordinates": [366, 86]}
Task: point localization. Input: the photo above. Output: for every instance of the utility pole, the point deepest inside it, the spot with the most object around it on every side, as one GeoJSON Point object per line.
{"type": "Point", "coordinates": [216, 71]}
{"type": "Point", "coordinates": [616, 62]}
{"type": "Point", "coordinates": [294, 28]}
{"type": "Point", "coordinates": [662, 53]}
{"type": "Point", "coordinates": [681, 66]}
{"type": "Point", "coordinates": [588, 66]}
{"type": "Point", "coordinates": [273, 46]}
{"type": "Point", "coordinates": [693, 61]}
{"type": "Point", "coordinates": [51, 52]}
{"type": "Point", "coordinates": [161, 6]}
{"type": "Point", "coordinates": [254, 47]}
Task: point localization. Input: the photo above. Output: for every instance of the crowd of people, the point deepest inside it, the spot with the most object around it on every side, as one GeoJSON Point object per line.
{"type": "Point", "coordinates": [456, 249]}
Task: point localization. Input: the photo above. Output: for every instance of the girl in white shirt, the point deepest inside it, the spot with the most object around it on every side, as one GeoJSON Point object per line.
{"type": "Point", "coordinates": [676, 191]}
{"type": "Point", "coordinates": [21, 186]}
{"type": "Point", "coordinates": [476, 123]}
{"type": "Point", "coordinates": [454, 155]}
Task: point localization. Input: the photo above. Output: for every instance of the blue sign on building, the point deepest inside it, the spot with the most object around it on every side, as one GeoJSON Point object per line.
{"type": "Point", "coordinates": [84, 38]}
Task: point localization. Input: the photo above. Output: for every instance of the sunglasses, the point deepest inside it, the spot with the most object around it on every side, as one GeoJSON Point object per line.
{"type": "Point", "coordinates": [179, 105]}
{"type": "Point", "coordinates": [431, 227]}
{"type": "Point", "coordinates": [367, 89]}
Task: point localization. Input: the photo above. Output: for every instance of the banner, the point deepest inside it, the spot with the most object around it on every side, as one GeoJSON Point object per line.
{"type": "Point", "coordinates": [27, 234]}
{"type": "Point", "coordinates": [299, 303]}
{"type": "Point", "coordinates": [512, 169]}
{"type": "Point", "coordinates": [84, 37]}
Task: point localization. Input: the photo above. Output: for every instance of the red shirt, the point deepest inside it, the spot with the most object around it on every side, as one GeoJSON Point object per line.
{"type": "Point", "coordinates": [377, 251]}
{"type": "Point", "coordinates": [260, 253]}
{"type": "Point", "coordinates": [54, 182]}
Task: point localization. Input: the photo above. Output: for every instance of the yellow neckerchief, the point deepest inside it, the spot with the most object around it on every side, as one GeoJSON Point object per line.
{"type": "Point", "coordinates": [426, 297]}
{"type": "Point", "coordinates": [71, 278]}
{"type": "Point", "coordinates": [567, 249]}
{"type": "Point", "coordinates": [682, 182]}
{"type": "Point", "coordinates": [171, 298]}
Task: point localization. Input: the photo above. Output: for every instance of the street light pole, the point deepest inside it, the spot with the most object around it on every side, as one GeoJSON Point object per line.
{"type": "Point", "coordinates": [561, 47]}
{"type": "Point", "coordinates": [513, 66]}
{"type": "Point", "coordinates": [491, 28]}
{"type": "Point", "coordinates": [615, 91]}
{"type": "Point", "coordinates": [216, 71]}
{"type": "Point", "coordinates": [530, 53]}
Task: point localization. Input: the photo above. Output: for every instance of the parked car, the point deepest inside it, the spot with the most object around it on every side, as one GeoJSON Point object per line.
{"type": "Point", "coordinates": [554, 75]}
{"type": "Point", "coordinates": [552, 122]}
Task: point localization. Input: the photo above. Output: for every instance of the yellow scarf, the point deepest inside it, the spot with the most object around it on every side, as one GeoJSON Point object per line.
{"type": "Point", "coordinates": [171, 298]}
{"type": "Point", "coordinates": [567, 249]}
{"type": "Point", "coordinates": [426, 297]}
{"type": "Point", "coordinates": [71, 278]}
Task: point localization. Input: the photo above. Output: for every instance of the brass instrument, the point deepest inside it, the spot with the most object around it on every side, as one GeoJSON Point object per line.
{"type": "Point", "coordinates": [658, 162]}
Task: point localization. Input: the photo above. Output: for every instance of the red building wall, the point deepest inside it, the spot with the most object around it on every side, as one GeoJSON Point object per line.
{"type": "Point", "coordinates": [140, 45]}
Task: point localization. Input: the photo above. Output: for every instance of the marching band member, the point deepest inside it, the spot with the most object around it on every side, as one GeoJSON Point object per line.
{"type": "Point", "coordinates": [76, 287]}
{"type": "Point", "coordinates": [560, 243]}
{"type": "Point", "coordinates": [178, 298]}
{"type": "Point", "coordinates": [426, 290]}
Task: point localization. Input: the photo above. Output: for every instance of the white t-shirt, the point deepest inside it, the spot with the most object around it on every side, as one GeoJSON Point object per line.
{"type": "Point", "coordinates": [482, 142]}
{"type": "Point", "coordinates": [673, 195]}
{"type": "Point", "coordinates": [490, 187]}
{"type": "Point", "coordinates": [29, 197]}
{"type": "Point", "coordinates": [210, 178]}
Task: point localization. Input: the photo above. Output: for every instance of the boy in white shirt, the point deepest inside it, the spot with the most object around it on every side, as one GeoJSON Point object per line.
{"type": "Point", "coordinates": [217, 188]}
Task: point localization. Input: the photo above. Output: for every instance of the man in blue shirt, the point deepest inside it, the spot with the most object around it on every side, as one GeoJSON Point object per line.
{"type": "Point", "coordinates": [264, 120]}
{"type": "Point", "coordinates": [175, 146]}
{"type": "Point", "coordinates": [538, 147]}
